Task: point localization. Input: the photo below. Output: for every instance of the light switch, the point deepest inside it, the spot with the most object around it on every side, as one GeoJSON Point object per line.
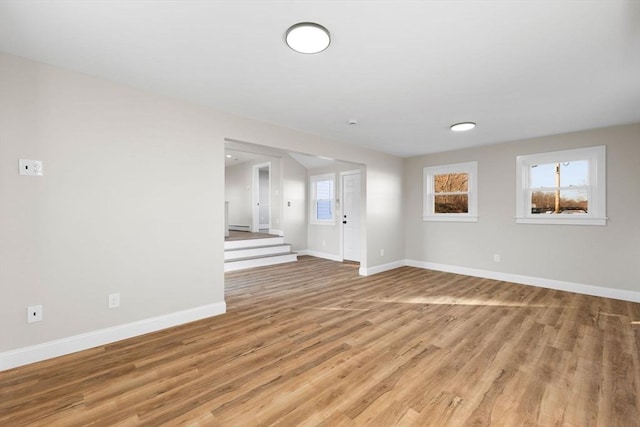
{"type": "Point", "coordinates": [30, 167]}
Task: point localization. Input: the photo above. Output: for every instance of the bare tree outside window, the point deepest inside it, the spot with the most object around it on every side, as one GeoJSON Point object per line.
{"type": "Point", "coordinates": [451, 193]}
{"type": "Point", "coordinates": [559, 202]}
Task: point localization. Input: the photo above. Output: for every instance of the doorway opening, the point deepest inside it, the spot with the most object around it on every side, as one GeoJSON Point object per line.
{"type": "Point", "coordinates": [261, 213]}
{"type": "Point", "coordinates": [269, 190]}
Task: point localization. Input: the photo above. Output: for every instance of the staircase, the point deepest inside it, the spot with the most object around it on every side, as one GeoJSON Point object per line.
{"type": "Point", "coordinates": [241, 254]}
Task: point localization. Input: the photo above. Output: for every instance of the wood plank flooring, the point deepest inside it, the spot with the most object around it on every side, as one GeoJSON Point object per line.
{"type": "Point", "coordinates": [314, 344]}
{"type": "Point", "coordinates": [246, 235]}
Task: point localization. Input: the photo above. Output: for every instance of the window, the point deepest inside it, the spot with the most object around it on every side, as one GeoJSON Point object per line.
{"type": "Point", "coordinates": [322, 199]}
{"type": "Point", "coordinates": [562, 187]}
{"type": "Point", "coordinates": [450, 192]}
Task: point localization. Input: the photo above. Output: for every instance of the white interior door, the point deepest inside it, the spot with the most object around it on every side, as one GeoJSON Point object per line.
{"type": "Point", "coordinates": [351, 216]}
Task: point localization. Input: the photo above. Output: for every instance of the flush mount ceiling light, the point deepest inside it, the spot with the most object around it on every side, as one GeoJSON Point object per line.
{"type": "Point", "coordinates": [461, 127]}
{"type": "Point", "coordinates": [308, 37]}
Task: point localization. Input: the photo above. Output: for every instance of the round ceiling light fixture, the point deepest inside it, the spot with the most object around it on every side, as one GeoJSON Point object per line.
{"type": "Point", "coordinates": [461, 127]}
{"type": "Point", "coordinates": [308, 37]}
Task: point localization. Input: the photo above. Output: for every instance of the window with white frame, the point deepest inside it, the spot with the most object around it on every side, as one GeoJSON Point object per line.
{"type": "Point", "coordinates": [562, 187]}
{"type": "Point", "coordinates": [323, 199]}
{"type": "Point", "coordinates": [451, 192]}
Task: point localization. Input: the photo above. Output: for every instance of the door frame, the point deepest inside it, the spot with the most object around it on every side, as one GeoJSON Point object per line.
{"type": "Point", "coordinates": [255, 196]}
{"type": "Point", "coordinates": [342, 175]}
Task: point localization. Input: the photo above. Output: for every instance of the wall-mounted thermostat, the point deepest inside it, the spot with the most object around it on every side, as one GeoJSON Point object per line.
{"type": "Point", "coordinates": [30, 167]}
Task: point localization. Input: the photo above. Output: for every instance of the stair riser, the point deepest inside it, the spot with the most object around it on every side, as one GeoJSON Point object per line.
{"type": "Point", "coordinates": [250, 252]}
{"type": "Point", "coordinates": [259, 262]}
{"type": "Point", "coordinates": [237, 244]}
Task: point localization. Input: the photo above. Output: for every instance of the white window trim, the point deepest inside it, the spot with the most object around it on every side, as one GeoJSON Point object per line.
{"type": "Point", "coordinates": [596, 214]}
{"type": "Point", "coordinates": [428, 214]}
{"type": "Point", "coordinates": [312, 207]}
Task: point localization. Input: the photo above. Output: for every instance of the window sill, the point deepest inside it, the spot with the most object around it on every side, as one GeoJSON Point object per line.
{"type": "Point", "coordinates": [563, 221]}
{"type": "Point", "coordinates": [450, 218]}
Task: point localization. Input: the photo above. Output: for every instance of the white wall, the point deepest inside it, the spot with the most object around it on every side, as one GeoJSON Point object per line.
{"type": "Point", "coordinates": [603, 256]}
{"type": "Point", "coordinates": [132, 201]}
{"type": "Point", "coordinates": [237, 180]}
{"type": "Point", "coordinates": [288, 188]}
{"type": "Point", "coordinates": [294, 209]}
{"type": "Point", "coordinates": [239, 191]}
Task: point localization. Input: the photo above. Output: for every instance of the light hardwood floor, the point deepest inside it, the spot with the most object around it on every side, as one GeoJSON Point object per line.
{"type": "Point", "coordinates": [246, 235]}
{"type": "Point", "coordinates": [312, 343]}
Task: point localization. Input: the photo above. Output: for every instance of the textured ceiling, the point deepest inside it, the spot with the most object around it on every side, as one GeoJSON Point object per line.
{"type": "Point", "coordinates": [406, 70]}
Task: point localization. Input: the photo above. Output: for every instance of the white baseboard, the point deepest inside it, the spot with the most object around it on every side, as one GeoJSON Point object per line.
{"type": "Point", "coordinates": [362, 271]}
{"type": "Point", "coordinates": [48, 350]}
{"type": "Point", "coordinates": [579, 288]}
{"type": "Point", "coordinates": [380, 268]}
{"type": "Point", "coordinates": [317, 254]}
{"type": "Point", "coordinates": [276, 232]}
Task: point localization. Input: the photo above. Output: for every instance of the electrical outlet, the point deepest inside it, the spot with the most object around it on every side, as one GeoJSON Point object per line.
{"type": "Point", "coordinates": [381, 252]}
{"type": "Point", "coordinates": [30, 167]}
{"type": "Point", "coordinates": [114, 300]}
{"type": "Point", "coordinates": [34, 313]}
{"type": "Point", "coordinates": [496, 257]}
